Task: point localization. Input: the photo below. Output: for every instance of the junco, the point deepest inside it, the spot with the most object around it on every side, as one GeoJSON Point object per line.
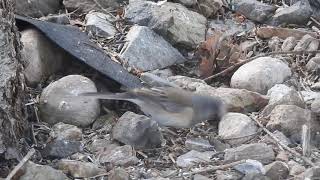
{"type": "Point", "coordinates": [171, 106]}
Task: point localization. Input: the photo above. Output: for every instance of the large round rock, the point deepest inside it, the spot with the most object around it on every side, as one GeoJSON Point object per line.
{"type": "Point", "coordinates": [261, 74]}
{"type": "Point", "coordinates": [59, 102]}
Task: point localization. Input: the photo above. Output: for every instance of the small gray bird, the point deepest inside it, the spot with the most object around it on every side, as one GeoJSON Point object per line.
{"type": "Point", "coordinates": [171, 106]}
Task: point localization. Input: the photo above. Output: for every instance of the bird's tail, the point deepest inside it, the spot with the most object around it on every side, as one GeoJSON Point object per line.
{"type": "Point", "coordinates": [104, 95]}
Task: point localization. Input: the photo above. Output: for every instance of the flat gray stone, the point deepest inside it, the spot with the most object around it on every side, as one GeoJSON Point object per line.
{"type": "Point", "coordinates": [258, 151]}
{"type": "Point", "coordinates": [277, 170]}
{"type": "Point", "coordinates": [138, 131]}
{"type": "Point", "coordinates": [98, 24]}
{"type": "Point", "coordinates": [254, 10]}
{"type": "Point", "coordinates": [118, 156]}
{"type": "Point", "coordinates": [299, 13]}
{"type": "Point", "coordinates": [193, 157]}
{"type": "Point", "coordinates": [199, 144]}
{"type": "Point", "coordinates": [146, 50]}
{"type": "Point", "coordinates": [229, 27]}
{"type": "Point", "coordinates": [89, 5]}
{"type": "Point", "coordinates": [39, 172]}
{"type": "Point", "coordinates": [173, 21]}
{"type": "Point", "coordinates": [79, 169]}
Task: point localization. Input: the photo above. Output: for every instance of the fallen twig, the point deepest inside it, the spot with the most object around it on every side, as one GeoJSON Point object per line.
{"type": "Point", "coordinates": [214, 168]}
{"type": "Point", "coordinates": [315, 21]}
{"type": "Point", "coordinates": [255, 57]}
{"type": "Point", "coordinates": [21, 163]}
{"type": "Point", "coordinates": [293, 152]}
{"type": "Point", "coordinates": [306, 148]}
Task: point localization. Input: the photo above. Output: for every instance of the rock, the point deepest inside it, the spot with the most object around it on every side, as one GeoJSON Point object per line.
{"type": "Point", "coordinates": [200, 177]}
{"type": "Point", "coordinates": [260, 74]}
{"type": "Point", "coordinates": [310, 96]}
{"type": "Point", "coordinates": [289, 120]}
{"type": "Point", "coordinates": [63, 131]}
{"type": "Point", "coordinates": [79, 169]}
{"type": "Point", "coordinates": [313, 64]}
{"type": "Point", "coordinates": [258, 151]}
{"type": "Point", "coordinates": [250, 167]}
{"type": "Point", "coordinates": [88, 5]}
{"type": "Point", "coordinates": [280, 136]}
{"type": "Point", "coordinates": [236, 128]}
{"type": "Point", "coordinates": [254, 10]}
{"type": "Point", "coordinates": [209, 8]}
{"type": "Point", "coordinates": [282, 95]}
{"type": "Point", "coordinates": [37, 8]}
{"type": "Point", "coordinates": [274, 43]}
{"type": "Point", "coordinates": [255, 177]}
{"type": "Point", "coordinates": [61, 149]}
{"type": "Point", "coordinates": [228, 175]}
{"type": "Point", "coordinates": [283, 33]}
{"type": "Point", "coordinates": [229, 27]}
{"type": "Point", "coordinates": [289, 43]}
{"type": "Point", "coordinates": [99, 24]}
{"type": "Point", "coordinates": [199, 144]}
{"type": "Point", "coordinates": [299, 13]}
{"type": "Point", "coordinates": [119, 174]}
{"type": "Point", "coordinates": [59, 19]}
{"type": "Point", "coordinates": [315, 107]}
{"type": "Point", "coordinates": [138, 131]}
{"type": "Point", "coordinates": [173, 21]}
{"type": "Point", "coordinates": [218, 144]}
{"type": "Point", "coordinates": [42, 57]}
{"type": "Point", "coordinates": [191, 84]}
{"type": "Point", "coordinates": [118, 156]}
{"type": "Point", "coordinates": [146, 50]}
{"type": "Point", "coordinates": [316, 86]}
{"type": "Point", "coordinates": [81, 157]}
{"type": "Point", "coordinates": [155, 81]}
{"type": "Point", "coordinates": [162, 73]}
{"type": "Point", "coordinates": [237, 100]}
{"type": "Point", "coordinates": [98, 145]}
{"type": "Point", "coordinates": [193, 157]}
{"type": "Point", "coordinates": [306, 43]}
{"type": "Point", "coordinates": [40, 172]}
{"type": "Point", "coordinates": [312, 173]}
{"type": "Point", "coordinates": [277, 170]}
{"type": "Point", "coordinates": [295, 168]}
{"type": "Point", "coordinates": [248, 45]}
{"type": "Point", "coordinates": [187, 3]}
{"type": "Point", "coordinates": [105, 121]}
{"type": "Point", "coordinates": [59, 102]}
{"type": "Point", "coordinates": [282, 156]}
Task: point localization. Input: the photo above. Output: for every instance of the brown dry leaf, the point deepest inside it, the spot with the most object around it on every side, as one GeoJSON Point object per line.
{"type": "Point", "coordinates": [239, 18]}
{"type": "Point", "coordinates": [283, 33]}
{"type": "Point", "coordinates": [120, 12]}
{"type": "Point", "coordinates": [208, 51]}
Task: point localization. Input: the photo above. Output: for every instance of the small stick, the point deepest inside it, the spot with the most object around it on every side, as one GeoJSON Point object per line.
{"type": "Point", "coordinates": [214, 168]}
{"type": "Point", "coordinates": [315, 21]}
{"type": "Point", "coordinates": [21, 163]}
{"type": "Point", "coordinates": [293, 152]}
{"type": "Point", "coordinates": [306, 151]}
{"type": "Point", "coordinates": [255, 57]}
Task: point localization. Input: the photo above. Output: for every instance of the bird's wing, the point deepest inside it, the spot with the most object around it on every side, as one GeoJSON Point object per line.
{"type": "Point", "coordinates": [167, 97]}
